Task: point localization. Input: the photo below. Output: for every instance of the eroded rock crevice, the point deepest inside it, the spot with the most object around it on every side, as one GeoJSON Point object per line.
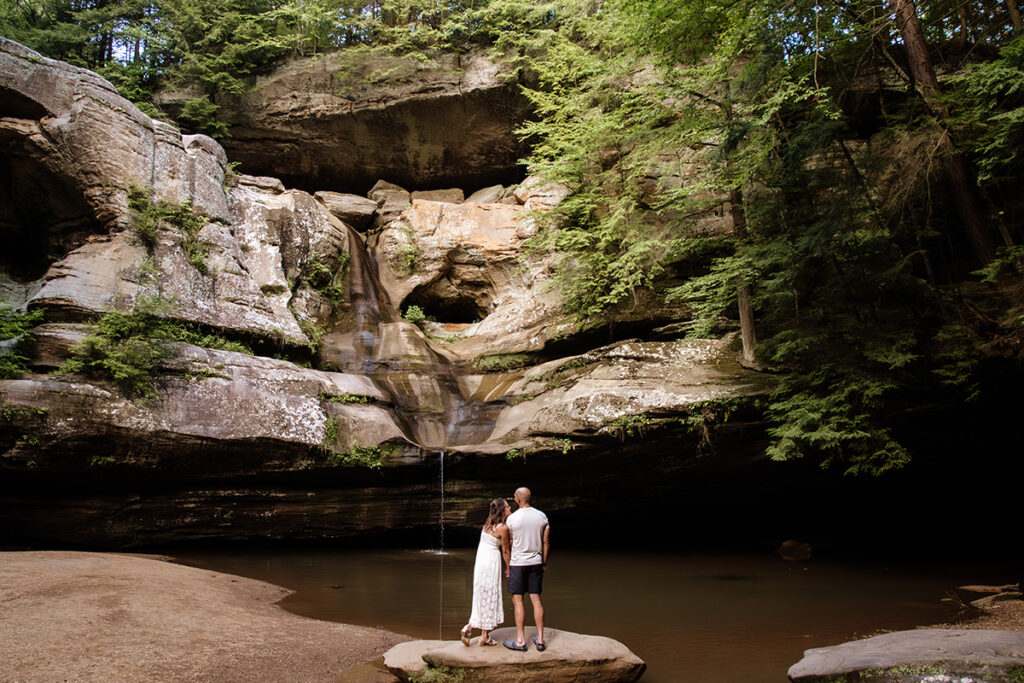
{"type": "Point", "coordinates": [44, 214]}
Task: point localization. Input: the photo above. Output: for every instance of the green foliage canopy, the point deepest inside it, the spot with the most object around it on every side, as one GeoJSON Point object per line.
{"type": "Point", "coordinates": [14, 332]}
{"type": "Point", "coordinates": [658, 113]}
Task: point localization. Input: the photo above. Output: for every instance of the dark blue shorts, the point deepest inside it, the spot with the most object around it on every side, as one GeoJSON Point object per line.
{"type": "Point", "coordinates": [528, 579]}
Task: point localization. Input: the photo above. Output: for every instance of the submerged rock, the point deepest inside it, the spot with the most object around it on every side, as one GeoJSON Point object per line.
{"type": "Point", "coordinates": [569, 657]}
{"type": "Point", "coordinates": [794, 551]}
{"type": "Point", "coordinates": [948, 655]}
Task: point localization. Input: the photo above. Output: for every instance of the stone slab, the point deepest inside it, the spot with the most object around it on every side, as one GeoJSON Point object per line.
{"type": "Point", "coordinates": [569, 657]}
{"type": "Point", "coordinates": [947, 652]}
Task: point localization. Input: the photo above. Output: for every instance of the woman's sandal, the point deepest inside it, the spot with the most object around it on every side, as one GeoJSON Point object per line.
{"type": "Point", "coordinates": [464, 636]}
{"type": "Point", "coordinates": [490, 642]}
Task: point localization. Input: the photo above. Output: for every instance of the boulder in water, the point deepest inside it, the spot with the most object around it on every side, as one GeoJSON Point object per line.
{"type": "Point", "coordinates": [939, 654]}
{"type": "Point", "coordinates": [569, 657]}
{"type": "Point", "coordinates": [794, 551]}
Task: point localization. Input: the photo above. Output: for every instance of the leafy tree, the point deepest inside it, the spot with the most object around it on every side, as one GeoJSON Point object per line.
{"type": "Point", "coordinates": [656, 112]}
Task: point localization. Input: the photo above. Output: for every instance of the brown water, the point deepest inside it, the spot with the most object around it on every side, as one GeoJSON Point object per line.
{"type": "Point", "coordinates": [708, 618]}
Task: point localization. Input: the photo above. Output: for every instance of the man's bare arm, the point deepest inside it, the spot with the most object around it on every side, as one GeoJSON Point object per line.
{"type": "Point", "coordinates": [547, 546]}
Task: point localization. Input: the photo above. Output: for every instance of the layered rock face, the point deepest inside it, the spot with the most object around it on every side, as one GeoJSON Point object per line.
{"type": "Point", "coordinates": [343, 120]}
{"type": "Point", "coordinates": [340, 421]}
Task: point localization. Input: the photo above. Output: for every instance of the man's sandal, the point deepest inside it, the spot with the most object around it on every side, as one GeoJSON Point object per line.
{"type": "Point", "coordinates": [541, 646]}
{"type": "Point", "coordinates": [513, 645]}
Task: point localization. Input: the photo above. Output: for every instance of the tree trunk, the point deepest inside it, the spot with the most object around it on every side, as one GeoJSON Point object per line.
{"type": "Point", "coordinates": [1015, 20]}
{"type": "Point", "coordinates": [961, 41]}
{"type": "Point", "coordinates": [964, 189]}
{"type": "Point", "coordinates": [747, 331]}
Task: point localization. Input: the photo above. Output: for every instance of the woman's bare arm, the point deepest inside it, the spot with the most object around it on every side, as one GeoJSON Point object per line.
{"type": "Point", "coordinates": [506, 547]}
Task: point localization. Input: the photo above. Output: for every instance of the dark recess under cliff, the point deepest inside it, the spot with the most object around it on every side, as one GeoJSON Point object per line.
{"type": "Point", "coordinates": [439, 140]}
{"type": "Point", "coordinates": [959, 497]}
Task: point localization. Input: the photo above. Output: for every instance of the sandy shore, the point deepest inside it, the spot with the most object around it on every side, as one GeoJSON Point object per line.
{"type": "Point", "coordinates": [75, 616]}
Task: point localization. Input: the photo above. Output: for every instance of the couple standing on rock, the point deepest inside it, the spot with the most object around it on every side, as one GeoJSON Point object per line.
{"type": "Point", "coordinates": [522, 539]}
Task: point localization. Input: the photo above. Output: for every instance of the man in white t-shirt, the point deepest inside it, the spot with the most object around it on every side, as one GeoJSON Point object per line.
{"type": "Point", "coordinates": [530, 541]}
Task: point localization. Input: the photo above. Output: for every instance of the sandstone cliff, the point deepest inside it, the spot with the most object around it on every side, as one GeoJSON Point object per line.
{"type": "Point", "coordinates": [344, 406]}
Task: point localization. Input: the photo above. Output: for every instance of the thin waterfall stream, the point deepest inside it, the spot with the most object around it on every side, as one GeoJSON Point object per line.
{"type": "Point", "coordinates": [441, 552]}
{"type": "Point", "coordinates": [441, 518]}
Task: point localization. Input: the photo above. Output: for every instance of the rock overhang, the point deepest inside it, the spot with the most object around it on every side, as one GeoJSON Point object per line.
{"type": "Point", "coordinates": [326, 123]}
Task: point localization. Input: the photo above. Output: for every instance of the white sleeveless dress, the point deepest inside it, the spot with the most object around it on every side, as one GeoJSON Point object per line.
{"type": "Point", "coordinates": [488, 611]}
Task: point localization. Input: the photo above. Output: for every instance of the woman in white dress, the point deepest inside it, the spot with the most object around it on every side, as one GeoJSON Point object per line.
{"type": "Point", "coordinates": [494, 546]}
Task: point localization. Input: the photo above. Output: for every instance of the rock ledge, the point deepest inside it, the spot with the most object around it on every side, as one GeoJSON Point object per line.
{"type": "Point", "coordinates": [569, 657]}
{"type": "Point", "coordinates": [934, 655]}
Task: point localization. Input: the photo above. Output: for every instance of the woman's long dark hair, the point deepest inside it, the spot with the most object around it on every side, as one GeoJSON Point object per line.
{"type": "Point", "coordinates": [496, 515]}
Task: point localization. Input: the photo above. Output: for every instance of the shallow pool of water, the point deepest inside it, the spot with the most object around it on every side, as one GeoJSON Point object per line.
{"type": "Point", "coordinates": [708, 618]}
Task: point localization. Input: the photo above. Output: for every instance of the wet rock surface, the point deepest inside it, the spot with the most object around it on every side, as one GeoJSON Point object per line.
{"type": "Point", "coordinates": [98, 617]}
{"type": "Point", "coordinates": [568, 657]}
{"type": "Point", "coordinates": [932, 655]}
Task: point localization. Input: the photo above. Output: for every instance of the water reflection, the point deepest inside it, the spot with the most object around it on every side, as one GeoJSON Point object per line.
{"type": "Point", "coordinates": [711, 618]}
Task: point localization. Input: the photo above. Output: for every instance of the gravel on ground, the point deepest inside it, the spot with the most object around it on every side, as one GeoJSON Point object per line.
{"type": "Point", "coordinates": [1007, 615]}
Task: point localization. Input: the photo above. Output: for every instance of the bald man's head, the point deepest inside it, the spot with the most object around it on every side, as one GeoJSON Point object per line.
{"type": "Point", "coordinates": [522, 496]}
